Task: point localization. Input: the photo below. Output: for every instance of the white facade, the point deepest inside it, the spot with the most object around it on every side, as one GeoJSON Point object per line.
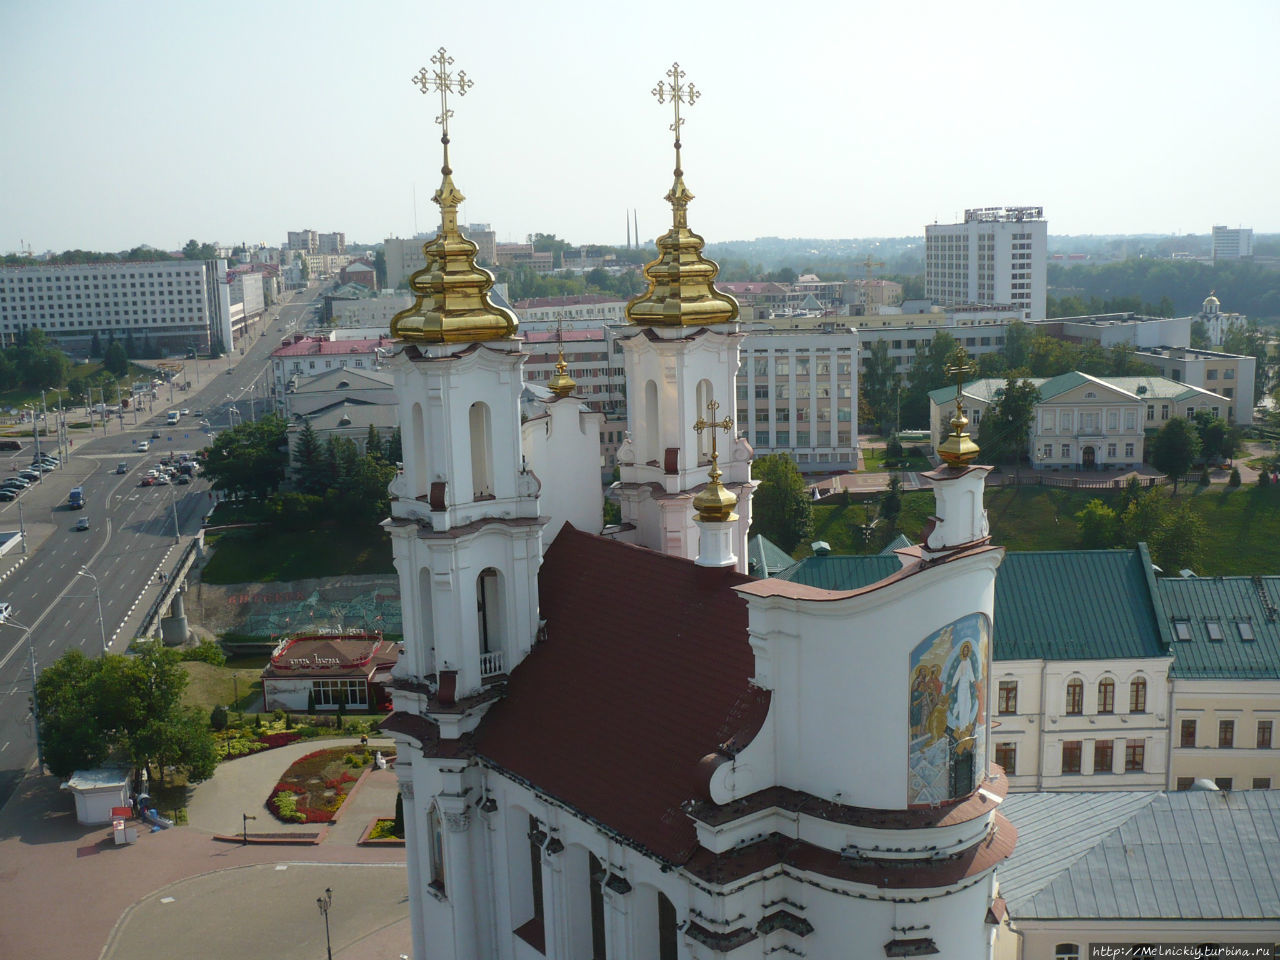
{"type": "Point", "coordinates": [1217, 322]}
{"type": "Point", "coordinates": [177, 303]}
{"type": "Point", "coordinates": [1143, 333]}
{"type": "Point", "coordinates": [1232, 243]}
{"type": "Point", "coordinates": [998, 255]}
{"type": "Point", "coordinates": [567, 432]}
{"type": "Point", "coordinates": [309, 356]}
{"type": "Point", "coordinates": [672, 376]}
{"type": "Point", "coordinates": [797, 393]}
{"type": "Point", "coordinates": [372, 312]}
{"type": "Point", "coordinates": [1229, 375]}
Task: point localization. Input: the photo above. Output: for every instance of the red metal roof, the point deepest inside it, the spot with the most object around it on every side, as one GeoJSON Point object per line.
{"type": "Point", "coordinates": [612, 712]}
{"type": "Point", "coordinates": [314, 346]}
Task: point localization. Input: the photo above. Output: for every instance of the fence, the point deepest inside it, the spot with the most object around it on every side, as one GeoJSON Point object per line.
{"type": "Point", "coordinates": [1040, 479]}
{"type": "Point", "coordinates": [171, 586]}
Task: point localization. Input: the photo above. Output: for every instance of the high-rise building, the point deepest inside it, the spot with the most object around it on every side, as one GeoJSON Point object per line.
{"type": "Point", "coordinates": [1232, 243]}
{"type": "Point", "coordinates": [996, 256]}
{"type": "Point", "coordinates": [332, 243]}
{"type": "Point", "coordinates": [308, 241]}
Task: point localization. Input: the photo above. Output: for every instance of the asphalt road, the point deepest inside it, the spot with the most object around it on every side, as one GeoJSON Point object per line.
{"type": "Point", "coordinates": [132, 528]}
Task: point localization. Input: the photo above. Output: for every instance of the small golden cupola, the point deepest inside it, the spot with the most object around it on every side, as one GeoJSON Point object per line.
{"type": "Point", "coordinates": [681, 290]}
{"type": "Point", "coordinates": [452, 303]}
{"type": "Point", "coordinates": [958, 449]}
{"type": "Point", "coordinates": [714, 502]}
{"type": "Point", "coordinates": [561, 384]}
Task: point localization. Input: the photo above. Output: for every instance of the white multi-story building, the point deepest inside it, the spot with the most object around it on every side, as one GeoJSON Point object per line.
{"type": "Point", "coordinates": [333, 243]}
{"type": "Point", "coordinates": [1226, 374]}
{"type": "Point", "coordinates": [575, 313]}
{"type": "Point", "coordinates": [996, 256]}
{"type": "Point", "coordinates": [307, 241]}
{"type": "Point", "coordinates": [301, 356]}
{"type": "Point", "coordinates": [797, 393]}
{"type": "Point", "coordinates": [177, 304]}
{"type": "Point", "coordinates": [1232, 243]}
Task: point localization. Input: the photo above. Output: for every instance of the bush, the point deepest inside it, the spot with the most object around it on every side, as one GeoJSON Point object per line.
{"type": "Point", "coordinates": [288, 721]}
{"type": "Point", "coordinates": [1263, 479]}
{"type": "Point", "coordinates": [1204, 477]}
{"type": "Point", "coordinates": [218, 718]}
{"type": "Point", "coordinates": [206, 651]}
{"type": "Point", "coordinates": [1234, 479]}
{"type": "Point", "coordinates": [278, 714]}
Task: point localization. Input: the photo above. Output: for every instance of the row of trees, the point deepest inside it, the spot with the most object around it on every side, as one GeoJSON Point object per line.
{"type": "Point", "coordinates": [193, 250]}
{"type": "Point", "coordinates": [122, 708]}
{"type": "Point", "coordinates": [1243, 285]}
{"type": "Point", "coordinates": [34, 363]}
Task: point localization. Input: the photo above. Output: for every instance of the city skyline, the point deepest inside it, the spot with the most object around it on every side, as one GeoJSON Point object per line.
{"type": "Point", "coordinates": [148, 123]}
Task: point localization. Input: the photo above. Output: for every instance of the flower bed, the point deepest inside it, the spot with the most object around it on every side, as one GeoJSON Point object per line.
{"type": "Point", "coordinates": [241, 746]}
{"type": "Point", "coordinates": [315, 785]}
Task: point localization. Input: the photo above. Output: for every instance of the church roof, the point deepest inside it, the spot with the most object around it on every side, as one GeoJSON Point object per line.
{"type": "Point", "coordinates": [1242, 611]}
{"type": "Point", "coordinates": [612, 711]}
{"type": "Point", "coordinates": [1129, 856]}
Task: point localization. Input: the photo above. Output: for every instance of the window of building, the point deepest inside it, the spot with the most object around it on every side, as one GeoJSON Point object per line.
{"type": "Point", "coordinates": [1075, 697]}
{"type": "Point", "coordinates": [1106, 695]}
{"type": "Point", "coordinates": [1186, 783]}
{"type": "Point", "coordinates": [1264, 734]}
{"type": "Point", "coordinates": [1138, 696]}
{"type": "Point", "coordinates": [1048, 449]}
{"type": "Point", "coordinates": [1103, 756]}
{"type": "Point", "coordinates": [1008, 701]}
{"type": "Point", "coordinates": [1262, 783]}
{"type": "Point", "coordinates": [1066, 451]}
{"type": "Point", "coordinates": [1135, 752]}
{"type": "Point", "coordinates": [1007, 757]}
{"type": "Point", "coordinates": [1226, 733]}
{"type": "Point", "coordinates": [762, 438]}
{"type": "Point", "coordinates": [1071, 756]}
{"type": "Point", "coordinates": [1188, 734]}
{"type": "Point", "coordinates": [1111, 451]}
{"type": "Point", "coordinates": [435, 850]}
{"type": "Point", "coordinates": [1182, 629]}
{"type": "Point", "coordinates": [1223, 783]}
{"type": "Point", "coordinates": [1214, 628]}
{"type": "Point", "coordinates": [1128, 449]}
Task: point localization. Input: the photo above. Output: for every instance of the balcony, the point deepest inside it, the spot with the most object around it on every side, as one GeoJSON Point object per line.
{"type": "Point", "coordinates": [490, 664]}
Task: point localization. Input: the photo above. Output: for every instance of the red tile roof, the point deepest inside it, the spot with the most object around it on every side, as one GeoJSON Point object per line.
{"type": "Point", "coordinates": [317, 346]}
{"type": "Point", "coordinates": [644, 671]}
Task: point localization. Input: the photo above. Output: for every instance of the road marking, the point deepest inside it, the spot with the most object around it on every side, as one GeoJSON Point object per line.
{"type": "Point", "coordinates": [68, 623]}
{"type": "Point", "coordinates": [6, 746]}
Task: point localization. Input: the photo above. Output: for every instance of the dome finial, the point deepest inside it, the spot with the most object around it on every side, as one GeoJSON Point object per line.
{"type": "Point", "coordinates": [452, 305]}
{"type": "Point", "coordinates": [561, 384]}
{"type": "Point", "coordinates": [958, 449]}
{"type": "Point", "coordinates": [681, 289]}
{"type": "Point", "coordinates": [716, 502]}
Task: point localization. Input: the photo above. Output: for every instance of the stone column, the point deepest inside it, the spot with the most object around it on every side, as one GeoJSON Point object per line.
{"type": "Point", "coordinates": [459, 888]}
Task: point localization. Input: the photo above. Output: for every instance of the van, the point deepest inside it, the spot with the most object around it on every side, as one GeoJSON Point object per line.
{"type": "Point", "coordinates": [173, 417]}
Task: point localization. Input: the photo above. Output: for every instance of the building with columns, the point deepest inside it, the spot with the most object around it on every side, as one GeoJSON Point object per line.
{"type": "Point", "coordinates": [620, 745]}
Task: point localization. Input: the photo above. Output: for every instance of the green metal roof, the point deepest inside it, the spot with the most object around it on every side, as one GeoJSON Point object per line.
{"type": "Point", "coordinates": [1063, 382]}
{"type": "Point", "coordinates": [1160, 388]}
{"type": "Point", "coordinates": [765, 558]}
{"type": "Point", "coordinates": [1143, 388]}
{"type": "Point", "coordinates": [984, 390]}
{"type": "Point", "coordinates": [1227, 601]}
{"type": "Point", "coordinates": [1050, 605]}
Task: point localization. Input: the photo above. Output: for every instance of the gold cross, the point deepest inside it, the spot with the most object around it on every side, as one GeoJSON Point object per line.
{"type": "Point", "coordinates": [442, 80]}
{"type": "Point", "coordinates": [726, 425]}
{"type": "Point", "coordinates": [678, 92]}
{"type": "Point", "coordinates": [958, 364]}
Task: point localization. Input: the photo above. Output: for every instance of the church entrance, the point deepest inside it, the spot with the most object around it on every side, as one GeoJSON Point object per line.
{"type": "Point", "coordinates": [1089, 459]}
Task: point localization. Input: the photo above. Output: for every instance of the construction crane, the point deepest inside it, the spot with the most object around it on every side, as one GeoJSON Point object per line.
{"type": "Point", "coordinates": [868, 265]}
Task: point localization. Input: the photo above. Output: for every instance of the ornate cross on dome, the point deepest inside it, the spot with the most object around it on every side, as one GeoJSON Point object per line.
{"type": "Point", "coordinates": [446, 83]}
{"type": "Point", "coordinates": [678, 92]}
{"type": "Point", "coordinates": [958, 366]}
{"type": "Point", "coordinates": [700, 424]}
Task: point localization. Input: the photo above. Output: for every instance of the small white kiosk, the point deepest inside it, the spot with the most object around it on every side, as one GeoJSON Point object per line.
{"type": "Point", "coordinates": [97, 792]}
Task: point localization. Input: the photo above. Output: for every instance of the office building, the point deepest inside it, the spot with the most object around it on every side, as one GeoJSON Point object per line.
{"type": "Point", "coordinates": [997, 256]}
{"type": "Point", "coordinates": [1232, 243]}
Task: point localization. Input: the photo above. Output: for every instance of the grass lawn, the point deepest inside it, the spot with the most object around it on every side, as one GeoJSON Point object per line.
{"type": "Point", "coordinates": [209, 685]}
{"type": "Point", "coordinates": [873, 461]}
{"type": "Point", "coordinates": [263, 555]}
{"type": "Point", "coordinates": [1243, 524]}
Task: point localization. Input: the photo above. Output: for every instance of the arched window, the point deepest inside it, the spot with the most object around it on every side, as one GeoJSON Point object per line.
{"type": "Point", "coordinates": [489, 620]}
{"type": "Point", "coordinates": [416, 444]}
{"type": "Point", "coordinates": [1066, 951]}
{"type": "Point", "coordinates": [436, 848]}
{"type": "Point", "coordinates": [667, 944]}
{"type": "Point", "coordinates": [1106, 695]}
{"type": "Point", "coordinates": [1075, 697]}
{"type": "Point", "coordinates": [481, 452]}
{"type": "Point", "coordinates": [648, 429]}
{"type": "Point", "coordinates": [1138, 696]}
{"type": "Point", "coordinates": [595, 874]}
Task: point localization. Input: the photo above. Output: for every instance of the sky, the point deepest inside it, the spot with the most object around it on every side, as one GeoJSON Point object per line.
{"type": "Point", "coordinates": [158, 122]}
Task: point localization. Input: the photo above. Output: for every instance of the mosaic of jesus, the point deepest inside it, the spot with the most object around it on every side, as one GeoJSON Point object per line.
{"type": "Point", "coordinates": [947, 744]}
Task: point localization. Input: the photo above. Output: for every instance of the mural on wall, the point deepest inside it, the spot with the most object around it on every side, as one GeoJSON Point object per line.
{"type": "Point", "coordinates": [275, 609]}
{"type": "Point", "coordinates": [947, 745]}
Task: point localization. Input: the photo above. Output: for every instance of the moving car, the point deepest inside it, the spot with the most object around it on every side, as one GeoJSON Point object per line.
{"type": "Point", "coordinates": [122, 467]}
{"type": "Point", "coordinates": [82, 523]}
{"type": "Point", "coordinates": [146, 481]}
{"type": "Point", "coordinates": [182, 480]}
{"type": "Point", "coordinates": [6, 610]}
{"type": "Point", "coordinates": [144, 445]}
{"type": "Point", "coordinates": [155, 434]}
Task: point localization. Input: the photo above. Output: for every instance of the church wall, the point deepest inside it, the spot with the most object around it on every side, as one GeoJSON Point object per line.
{"type": "Point", "coordinates": [562, 449]}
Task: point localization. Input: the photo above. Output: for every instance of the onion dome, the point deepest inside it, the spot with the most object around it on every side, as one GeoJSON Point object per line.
{"type": "Point", "coordinates": [958, 449]}
{"type": "Point", "coordinates": [715, 502]}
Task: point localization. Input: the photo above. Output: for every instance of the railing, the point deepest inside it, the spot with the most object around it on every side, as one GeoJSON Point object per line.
{"type": "Point", "coordinates": [490, 664]}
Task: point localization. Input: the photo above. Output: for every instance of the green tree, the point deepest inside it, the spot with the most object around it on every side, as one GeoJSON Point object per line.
{"type": "Point", "coordinates": [1006, 426]}
{"type": "Point", "coordinates": [116, 361]}
{"type": "Point", "coordinates": [249, 459]}
{"type": "Point", "coordinates": [1175, 449]}
{"type": "Point", "coordinates": [1017, 344]}
{"type": "Point", "coordinates": [549, 242]}
{"type": "Point", "coordinates": [373, 446]}
{"type": "Point", "coordinates": [891, 506]}
{"type": "Point", "coordinates": [1098, 526]}
{"type": "Point", "coordinates": [95, 346]}
{"type": "Point", "coordinates": [1199, 335]}
{"type": "Point", "coordinates": [879, 381]}
{"type": "Point", "coordinates": [309, 468]}
{"type": "Point", "coordinates": [1142, 517]}
{"type": "Point", "coordinates": [1215, 436]}
{"type": "Point", "coordinates": [781, 508]}
{"type": "Point", "coordinates": [1178, 541]}
{"type": "Point", "coordinates": [394, 452]}
{"type": "Point", "coordinates": [71, 735]}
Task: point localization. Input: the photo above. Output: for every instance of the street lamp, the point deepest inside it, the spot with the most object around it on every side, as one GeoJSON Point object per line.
{"type": "Point", "coordinates": [244, 826]}
{"type": "Point", "coordinates": [35, 696]}
{"type": "Point", "coordinates": [102, 628]}
{"type": "Point", "coordinates": [324, 903]}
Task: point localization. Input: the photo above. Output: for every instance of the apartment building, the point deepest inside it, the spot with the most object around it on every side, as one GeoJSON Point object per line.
{"type": "Point", "coordinates": [302, 356]}
{"type": "Point", "coordinates": [997, 255]}
{"type": "Point", "coordinates": [332, 243]}
{"type": "Point", "coordinates": [583, 312]}
{"type": "Point", "coordinates": [1229, 375]}
{"type": "Point", "coordinates": [404, 257]}
{"type": "Point", "coordinates": [1111, 329]}
{"type": "Point", "coordinates": [1232, 243]}
{"type": "Point", "coordinates": [517, 255]}
{"type": "Point", "coordinates": [177, 304]}
{"type": "Point", "coordinates": [873, 295]}
{"type": "Point", "coordinates": [305, 241]}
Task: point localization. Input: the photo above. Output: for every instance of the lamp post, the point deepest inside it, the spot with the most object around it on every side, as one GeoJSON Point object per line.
{"type": "Point", "coordinates": [324, 903]}
{"type": "Point", "coordinates": [244, 827]}
{"type": "Point", "coordinates": [173, 503]}
{"type": "Point", "coordinates": [22, 528]}
{"type": "Point", "coordinates": [102, 627]}
{"type": "Point", "coordinates": [35, 696]}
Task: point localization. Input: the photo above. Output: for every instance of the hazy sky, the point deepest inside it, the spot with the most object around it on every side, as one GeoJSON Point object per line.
{"type": "Point", "coordinates": [155, 122]}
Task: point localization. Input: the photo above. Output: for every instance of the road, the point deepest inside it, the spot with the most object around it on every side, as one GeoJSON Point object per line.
{"type": "Point", "coordinates": [132, 528]}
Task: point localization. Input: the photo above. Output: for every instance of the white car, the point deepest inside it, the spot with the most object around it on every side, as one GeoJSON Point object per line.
{"type": "Point", "coordinates": [144, 445]}
{"type": "Point", "coordinates": [5, 610]}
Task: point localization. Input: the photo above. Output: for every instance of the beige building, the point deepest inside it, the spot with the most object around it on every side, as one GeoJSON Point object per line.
{"type": "Point", "coordinates": [1227, 374]}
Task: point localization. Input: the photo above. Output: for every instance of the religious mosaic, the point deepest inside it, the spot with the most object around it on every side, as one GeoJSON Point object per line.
{"type": "Point", "coordinates": [947, 746]}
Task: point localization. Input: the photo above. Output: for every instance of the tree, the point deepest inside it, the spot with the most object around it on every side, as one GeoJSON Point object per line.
{"type": "Point", "coordinates": [1176, 447]}
{"type": "Point", "coordinates": [1199, 335]}
{"type": "Point", "coordinates": [1098, 526]}
{"type": "Point", "coordinates": [1215, 436]}
{"type": "Point", "coordinates": [781, 508]}
{"type": "Point", "coordinates": [1142, 517]}
{"type": "Point", "coordinates": [310, 475]}
{"type": "Point", "coordinates": [891, 506]}
{"type": "Point", "coordinates": [1017, 344]}
{"type": "Point", "coordinates": [1178, 542]}
{"type": "Point", "coordinates": [373, 443]}
{"type": "Point", "coordinates": [70, 733]}
{"type": "Point", "coordinates": [880, 380]}
{"type": "Point", "coordinates": [95, 346]}
{"type": "Point", "coordinates": [394, 454]}
{"type": "Point", "coordinates": [1005, 427]}
{"type": "Point", "coordinates": [116, 361]}
{"type": "Point", "coordinates": [249, 458]}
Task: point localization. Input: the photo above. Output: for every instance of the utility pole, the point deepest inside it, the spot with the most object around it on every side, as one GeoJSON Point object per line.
{"type": "Point", "coordinates": [22, 527]}
{"type": "Point", "coordinates": [868, 265]}
{"type": "Point", "coordinates": [35, 698]}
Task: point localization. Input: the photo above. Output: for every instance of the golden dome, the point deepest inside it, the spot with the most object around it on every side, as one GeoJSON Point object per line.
{"type": "Point", "coordinates": [715, 502]}
{"type": "Point", "coordinates": [562, 384]}
{"type": "Point", "coordinates": [958, 449]}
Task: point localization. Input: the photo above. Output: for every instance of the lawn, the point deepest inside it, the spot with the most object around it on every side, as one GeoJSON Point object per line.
{"type": "Point", "coordinates": [265, 555]}
{"type": "Point", "coordinates": [873, 461]}
{"type": "Point", "coordinates": [209, 685]}
{"type": "Point", "coordinates": [1243, 524]}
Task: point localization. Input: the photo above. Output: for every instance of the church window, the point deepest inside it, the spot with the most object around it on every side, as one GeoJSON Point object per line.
{"type": "Point", "coordinates": [435, 849]}
{"type": "Point", "coordinates": [1007, 757]}
{"type": "Point", "coordinates": [649, 435]}
{"type": "Point", "coordinates": [1071, 756]}
{"type": "Point", "coordinates": [481, 451]}
{"type": "Point", "coordinates": [1075, 697]}
{"type": "Point", "coordinates": [705, 396]}
{"type": "Point", "coordinates": [1008, 696]}
{"type": "Point", "coordinates": [1138, 696]}
{"type": "Point", "coordinates": [488, 610]}
{"type": "Point", "coordinates": [1106, 696]}
{"type": "Point", "coordinates": [595, 877]}
{"type": "Point", "coordinates": [667, 949]}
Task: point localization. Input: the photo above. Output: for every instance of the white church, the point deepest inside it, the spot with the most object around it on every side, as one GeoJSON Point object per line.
{"type": "Point", "coordinates": [619, 745]}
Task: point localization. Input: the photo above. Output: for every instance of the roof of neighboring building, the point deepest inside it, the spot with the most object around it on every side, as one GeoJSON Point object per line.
{"type": "Point", "coordinates": [1195, 854]}
{"type": "Point", "coordinates": [1038, 614]}
{"type": "Point", "coordinates": [321, 346]}
{"type": "Point", "coordinates": [765, 558]}
{"type": "Point", "coordinates": [1162, 388]}
{"type": "Point", "coordinates": [569, 336]}
{"type": "Point", "coordinates": [742, 286]}
{"type": "Point", "coordinates": [332, 656]}
{"type": "Point", "coordinates": [583, 300]}
{"type": "Point", "coordinates": [611, 714]}
{"type": "Point", "coordinates": [349, 415]}
{"type": "Point", "coordinates": [1228, 601]}
{"type": "Point", "coordinates": [1142, 388]}
{"type": "Point", "coordinates": [346, 378]}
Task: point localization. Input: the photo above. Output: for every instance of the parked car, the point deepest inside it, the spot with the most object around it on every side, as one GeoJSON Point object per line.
{"type": "Point", "coordinates": [31, 475]}
{"type": "Point", "coordinates": [8, 493]}
{"type": "Point", "coordinates": [41, 467]}
{"type": "Point", "coordinates": [82, 523]}
{"type": "Point", "coordinates": [16, 482]}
